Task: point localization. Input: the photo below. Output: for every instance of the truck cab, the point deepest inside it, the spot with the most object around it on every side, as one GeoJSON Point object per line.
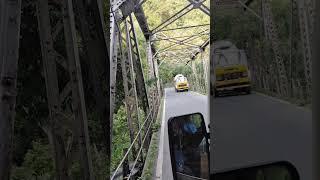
{"type": "Point", "coordinates": [232, 78]}
{"type": "Point", "coordinates": [231, 72]}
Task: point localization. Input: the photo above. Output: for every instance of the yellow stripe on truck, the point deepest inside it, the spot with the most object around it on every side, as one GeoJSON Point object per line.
{"type": "Point", "coordinates": [231, 69]}
{"type": "Point", "coordinates": [232, 81]}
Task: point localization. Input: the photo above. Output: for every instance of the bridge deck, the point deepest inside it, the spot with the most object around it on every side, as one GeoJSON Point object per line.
{"type": "Point", "coordinates": [176, 104]}
{"type": "Point", "coordinates": [240, 113]}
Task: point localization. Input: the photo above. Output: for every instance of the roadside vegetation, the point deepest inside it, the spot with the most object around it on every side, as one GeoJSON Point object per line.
{"type": "Point", "coordinates": [151, 160]}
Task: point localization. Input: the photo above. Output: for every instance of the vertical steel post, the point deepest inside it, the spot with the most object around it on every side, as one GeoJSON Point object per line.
{"type": "Point", "coordinates": [113, 60]}
{"type": "Point", "coordinates": [156, 74]}
{"type": "Point", "coordinates": [125, 166]}
{"type": "Point", "coordinates": [141, 88]}
{"type": "Point", "coordinates": [52, 88]}
{"type": "Point", "coordinates": [305, 31]}
{"type": "Point", "coordinates": [128, 98]}
{"type": "Point", "coordinates": [78, 101]}
{"type": "Point", "coordinates": [151, 73]}
{"type": "Point", "coordinates": [272, 34]}
{"type": "Point", "coordinates": [132, 75]}
{"type": "Point", "coordinates": [194, 71]}
{"type": "Point", "coordinates": [10, 19]}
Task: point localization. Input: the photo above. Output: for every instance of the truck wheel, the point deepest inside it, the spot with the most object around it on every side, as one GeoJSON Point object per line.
{"type": "Point", "coordinates": [216, 93]}
{"type": "Point", "coordinates": [248, 91]}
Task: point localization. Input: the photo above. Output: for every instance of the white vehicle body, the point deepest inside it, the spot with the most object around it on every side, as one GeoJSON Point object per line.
{"type": "Point", "coordinates": [181, 83]}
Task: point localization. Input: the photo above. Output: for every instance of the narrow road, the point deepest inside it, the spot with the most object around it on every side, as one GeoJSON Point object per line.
{"type": "Point", "coordinates": [242, 127]}
{"type": "Point", "coordinates": [176, 104]}
{"type": "Point", "coordinates": [255, 129]}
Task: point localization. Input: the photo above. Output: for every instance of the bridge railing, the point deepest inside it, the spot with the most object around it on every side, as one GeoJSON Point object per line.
{"type": "Point", "coordinates": [129, 171]}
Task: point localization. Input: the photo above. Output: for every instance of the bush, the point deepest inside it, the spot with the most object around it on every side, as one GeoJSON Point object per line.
{"type": "Point", "coordinates": [120, 137]}
{"type": "Point", "coordinates": [37, 163]}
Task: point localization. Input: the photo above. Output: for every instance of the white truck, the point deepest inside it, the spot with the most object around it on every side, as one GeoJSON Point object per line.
{"type": "Point", "coordinates": [181, 83]}
{"type": "Point", "coordinates": [230, 69]}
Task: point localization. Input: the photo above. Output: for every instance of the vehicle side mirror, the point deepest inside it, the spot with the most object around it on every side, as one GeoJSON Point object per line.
{"type": "Point", "coordinates": [189, 147]}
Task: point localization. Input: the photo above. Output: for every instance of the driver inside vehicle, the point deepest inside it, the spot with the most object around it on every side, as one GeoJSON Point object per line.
{"type": "Point", "coordinates": [187, 137]}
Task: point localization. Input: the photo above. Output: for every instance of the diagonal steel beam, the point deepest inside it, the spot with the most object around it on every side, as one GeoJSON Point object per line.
{"type": "Point", "coordinates": [179, 42]}
{"type": "Point", "coordinates": [174, 45]}
{"type": "Point", "coordinates": [201, 6]}
{"type": "Point", "coordinates": [202, 47]}
{"type": "Point", "coordinates": [137, 65]}
{"type": "Point", "coordinates": [78, 100]}
{"type": "Point", "coordinates": [196, 35]}
{"type": "Point", "coordinates": [251, 10]}
{"type": "Point", "coordinates": [173, 18]}
{"type": "Point", "coordinates": [185, 27]}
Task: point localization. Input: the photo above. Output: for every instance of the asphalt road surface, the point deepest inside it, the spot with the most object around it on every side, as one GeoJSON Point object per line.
{"type": "Point", "coordinates": [258, 129]}
{"type": "Point", "coordinates": [176, 104]}
{"type": "Point", "coordinates": [247, 129]}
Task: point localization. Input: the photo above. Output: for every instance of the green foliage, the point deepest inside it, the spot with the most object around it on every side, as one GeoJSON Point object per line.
{"type": "Point", "coordinates": [39, 159]}
{"type": "Point", "coordinates": [37, 163]}
{"type": "Point", "coordinates": [19, 173]}
{"type": "Point", "coordinates": [150, 162]}
{"type": "Point", "coordinates": [151, 82]}
{"type": "Point", "coordinates": [156, 127]}
{"type": "Point", "coordinates": [120, 136]}
{"type": "Point", "coordinates": [168, 71]}
{"type": "Point", "coordinates": [100, 164]}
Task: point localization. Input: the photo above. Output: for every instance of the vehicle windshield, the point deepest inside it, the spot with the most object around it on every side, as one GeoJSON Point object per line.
{"type": "Point", "coordinates": [181, 79]}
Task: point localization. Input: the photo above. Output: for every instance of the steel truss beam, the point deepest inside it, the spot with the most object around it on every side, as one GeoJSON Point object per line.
{"type": "Point", "coordinates": [177, 41]}
{"type": "Point", "coordinates": [201, 6]}
{"type": "Point", "coordinates": [141, 87]}
{"type": "Point", "coordinates": [60, 115]}
{"type": "Point", "coordinates": [202, 48]}
{"type": "Point", "coordinates": [251, 10]}
{"type": "Point", "coordinates": [177, 37]}
{"type": "Point", "coordinates": [184, 27]}
{"type": "Point", "coordinates": [129, 84]}
{"type": "Point", "coordinates": [305, 15]}
{"type": "Point", "coordinates": [153, 68]}
{"type": "Point", "coordinates": [127, 6]}
{"type": "Point", "coordinates": [272, 35]}
{"type": "Point", "coordinates": [173, 18]}
{"type": "Point", "coordinates": [10, 18]}
{"type": "Point", "coordinates": [192, 5]}
{"type": "Point", "coordinates": [91, 22]}
{"type": "Point", "coordinates": [175, 45]}
{"type": "Point", "coordinates": [114, 41]}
